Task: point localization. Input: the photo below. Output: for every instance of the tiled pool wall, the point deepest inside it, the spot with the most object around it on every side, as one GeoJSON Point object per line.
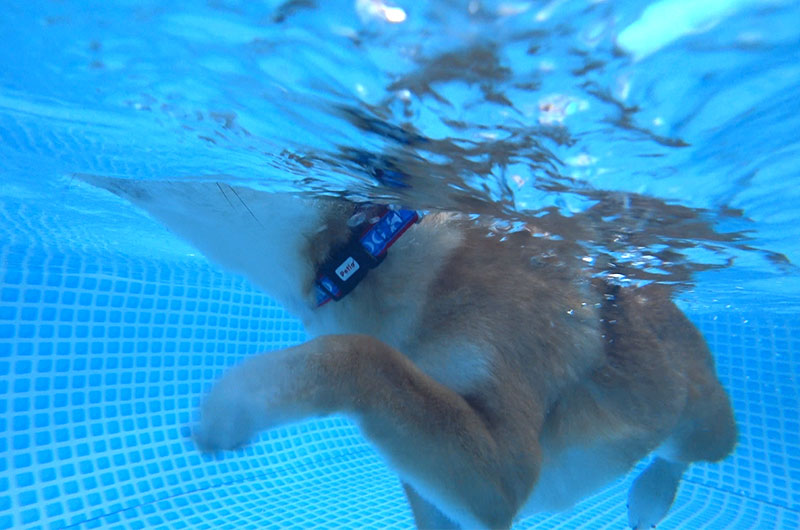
{"type": "Point", "coordinates": [103, 359]}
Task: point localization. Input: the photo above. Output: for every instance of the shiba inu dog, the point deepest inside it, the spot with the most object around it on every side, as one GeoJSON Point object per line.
{"type": "Point", "coordinates": [496, 377]}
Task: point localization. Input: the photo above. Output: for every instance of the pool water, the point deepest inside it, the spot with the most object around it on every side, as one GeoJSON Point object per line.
{"type": "Point", "coordinates": [105, 359]}
{"type": "Point", "coordinates": [111, 329]}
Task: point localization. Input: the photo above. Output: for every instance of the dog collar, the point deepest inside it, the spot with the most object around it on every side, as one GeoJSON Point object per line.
{"type": "Point", "coordinates": [366, 248]}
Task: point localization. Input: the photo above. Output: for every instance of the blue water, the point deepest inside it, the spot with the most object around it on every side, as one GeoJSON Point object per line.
{"type": "Point", "coordinates": [669, 130]}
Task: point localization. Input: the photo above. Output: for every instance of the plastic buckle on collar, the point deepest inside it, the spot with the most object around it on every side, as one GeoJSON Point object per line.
{"type": "Point", "coordinates": [347, 267]}
{"type": "Point", "coordinates": [365, 249]}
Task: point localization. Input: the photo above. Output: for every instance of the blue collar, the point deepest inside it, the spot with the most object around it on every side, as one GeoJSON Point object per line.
{"type": "Point", "coordinates": [366, 248]}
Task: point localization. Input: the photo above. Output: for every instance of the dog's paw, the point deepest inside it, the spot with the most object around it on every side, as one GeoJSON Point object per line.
{"type": "Point", "coordinates": [267, 390]}
{"type": "Point", "coordinates": [652, 493]}
{"type": "Point", "coordinates": [230, 416]}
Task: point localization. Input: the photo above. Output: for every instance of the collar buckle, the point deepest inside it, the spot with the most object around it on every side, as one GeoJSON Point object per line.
{"type": "Point", "coordinates": [346, 267]}
{"type": "Point", "coordinates": [364, 250]}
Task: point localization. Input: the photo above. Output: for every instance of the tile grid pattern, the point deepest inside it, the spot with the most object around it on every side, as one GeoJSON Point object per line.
{"type": "Point", "coordinates": [102, 363]}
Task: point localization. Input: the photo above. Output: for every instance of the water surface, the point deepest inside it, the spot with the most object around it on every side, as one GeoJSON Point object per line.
{"type": "Point", "coordinates": [661, 139]}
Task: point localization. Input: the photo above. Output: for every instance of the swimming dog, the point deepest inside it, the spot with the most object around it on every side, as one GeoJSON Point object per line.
{"type": "Point", "coordinates": [495, 376]}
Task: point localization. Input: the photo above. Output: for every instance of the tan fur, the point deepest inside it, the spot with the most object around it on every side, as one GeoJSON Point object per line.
{"type": "Point", "coordinates": [493, 376]}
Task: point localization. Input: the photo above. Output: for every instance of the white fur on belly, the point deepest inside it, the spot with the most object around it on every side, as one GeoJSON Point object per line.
{"type": "Point", "coordinates": [571, 475]}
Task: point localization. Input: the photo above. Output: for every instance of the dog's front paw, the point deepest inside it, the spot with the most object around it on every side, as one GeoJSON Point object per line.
{"type": "Point", "coordinates": [229, 418]}
{"type": "Point", "coordinates": [267, 390]}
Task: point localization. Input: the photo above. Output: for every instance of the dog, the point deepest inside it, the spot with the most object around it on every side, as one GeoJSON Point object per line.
{"type": "Point", "coordinates": [495, 376]}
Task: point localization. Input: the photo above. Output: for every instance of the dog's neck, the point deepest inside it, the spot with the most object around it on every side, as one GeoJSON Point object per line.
{"type": "Point", "coordinates": [278, 241]}
{"type": "Point", "coordinates": [373, 229]}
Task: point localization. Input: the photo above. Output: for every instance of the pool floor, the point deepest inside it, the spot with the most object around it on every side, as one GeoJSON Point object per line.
{"type": "Point", "coordinates": [103, 361]}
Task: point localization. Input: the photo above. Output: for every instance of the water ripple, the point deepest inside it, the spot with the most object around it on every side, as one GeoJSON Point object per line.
{"type": "Point", "coordinates": [660, 152]}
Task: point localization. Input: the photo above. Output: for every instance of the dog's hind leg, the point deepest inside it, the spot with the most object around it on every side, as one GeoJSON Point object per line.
{"type": "Point", "coordinates": [438, 443]}
{"type": "Point", "coordinates": [706, 432]}
{"type": "Point", "coordinates": [660, 378]}
{"type": "Point", "coordinates": [426, 515]}
{"type": "Point", "coordinates": [653, 492]}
